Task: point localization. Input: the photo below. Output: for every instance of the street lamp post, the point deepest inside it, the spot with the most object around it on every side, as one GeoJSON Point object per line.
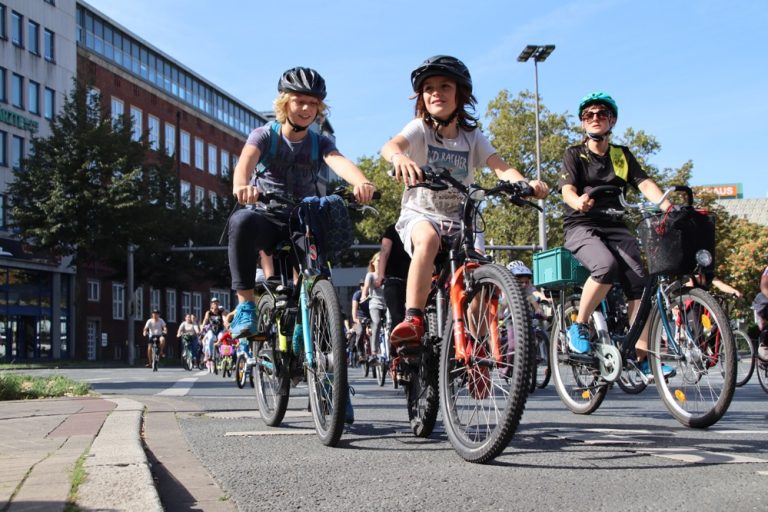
{"type": "Point", "coordinates": [539, 54]}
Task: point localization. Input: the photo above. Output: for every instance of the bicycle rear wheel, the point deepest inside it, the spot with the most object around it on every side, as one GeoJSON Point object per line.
{"type": "Point", "coordinates": [327, 379]}
{"type": "Point", "coordinates": [240, 376]}
{"type": "Point", "coordinates": [272, 379]}
{"type": "Point", "coordinates": [421, 390]}
{"type": "Point", "coordinates": [745, 357]}
{"type": "Point", "coordinates": [575, 376]}
{"type": "Point", "coordinates": [703, 355]}
{"type": "Point", "coordinates": [761, 369]}
{"type": "Point", "coordinates": [483, 398]}
{"type": "Point", "coordinates": [541, 372]}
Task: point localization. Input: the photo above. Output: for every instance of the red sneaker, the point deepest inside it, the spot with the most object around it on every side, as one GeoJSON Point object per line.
{"type": "Point", "coordinates": [409, 331]}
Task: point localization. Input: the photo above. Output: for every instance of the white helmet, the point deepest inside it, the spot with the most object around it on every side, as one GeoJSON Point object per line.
{"type": "Point", "coordinates": [518, 268]}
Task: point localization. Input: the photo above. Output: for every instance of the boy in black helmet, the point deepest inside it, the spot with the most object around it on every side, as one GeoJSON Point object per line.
{"type": "Point", "coordinates": [290, 169]}
{"type": "Point", "coordinates": [444, 133]}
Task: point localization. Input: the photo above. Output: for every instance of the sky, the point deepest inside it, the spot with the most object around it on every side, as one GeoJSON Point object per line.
{"type": "Point", "coordinates": [692, 73]}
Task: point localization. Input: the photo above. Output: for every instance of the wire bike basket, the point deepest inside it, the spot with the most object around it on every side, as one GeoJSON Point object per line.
{"type": "Point", "coordinates": [671, 240]}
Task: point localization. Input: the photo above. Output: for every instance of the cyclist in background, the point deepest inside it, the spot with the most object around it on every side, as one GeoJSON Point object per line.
{"type": "Point", "coordinates": [377, 306]}
{"type": "Point", "coordinates": [292, 172]}
{"type": "Point", "coordinates": [392, 273]}
{"type": "Point", "coordinates": [155, 330]}
{"type": "Point", "coordinates": [361, 318]}
{"type": "Point", "coordinates": [760, 305]}
{"type": "Point", "coordinates": [190, 331]}
{"type": "Point", "coordinates": [444, 133]}
{"type": "Point", "coordinates": [524, 277]}
{"type": "Point", "coordinates": [604, 245]}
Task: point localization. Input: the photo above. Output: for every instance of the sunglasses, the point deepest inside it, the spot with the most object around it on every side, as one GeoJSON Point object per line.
{"type": "Point", "coordinates": [600, 114]}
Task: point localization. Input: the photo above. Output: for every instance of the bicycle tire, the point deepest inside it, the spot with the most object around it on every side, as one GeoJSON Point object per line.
{"type": "Point", "coordinates": [327, 379]}
{"type": "Point", "coordinates": [421, 390]}
{"type": "Point", "coordinates": [154, 357]}
{"type": "Point", "coordinates": [186, 359]}
{"type": "Point", "coordinates": [483, 400]}
{"type": "Point", "coordinates": [272, 379]}
{"type": "Point", "coordinates": [631, 382]}
{"type": "Point", "coordinates": [761, 369]}
{"type": "Point", "coordinates": [700, 392]}
{"type": "Point", "coordinates": [745, 357]}
{"type": "Point", "coordinates": [541, 373]}
{"type": "Point", "coordinates": [577, 383]}
{"type": "Point", "coordinates": [240, 371]}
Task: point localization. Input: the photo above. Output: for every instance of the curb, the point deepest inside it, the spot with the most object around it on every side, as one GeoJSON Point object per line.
{"type": "Point", "coordinates": [119, 476]}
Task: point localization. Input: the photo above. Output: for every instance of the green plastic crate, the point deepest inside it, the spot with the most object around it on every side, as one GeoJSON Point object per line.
{"type": "Point", "coordinates": [557, 267]}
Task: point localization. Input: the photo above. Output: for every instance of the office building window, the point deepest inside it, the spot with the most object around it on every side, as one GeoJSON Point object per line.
{"type": "Point", "coordinates": [3, 149]}
{"type": "Point", "coordinates": [118, 301]}
{"type": "Point", "coordinates": [34, 97]}
{"type": "Point", "coordinates": [136, 123]}
{"type": "Point", "coordinates": [186, 304]}
{"type": "Point", "coordinates": [154, 300]}
{"type": "Point", "coordinates": [212, 159]}
{"type": "Point", "coordinates": [3, 34]}
{"type": "Point", "coordinates": [17, 91]}
{"type": "Point", "coordinates": [197, 305]}
{"type": "Point", "coordinates": [199, 153]}
{"type": "Point", "coordinates": [170, 303]}
{"type": "Point", "coordinates": [222, 295]}
{"type": "Point", "coordinates": [170, 139]}
{"type": "Point", "coordinates": [185, 157]}
{"type": "Point", "coordinates": [17, 151]}
{"type": "Point", "coordinates": [153, 123]}
{"type": "Point", "coordinates": [33, 37]}
{"type": "Point", "coordinates": [3, 87]}
{"type": "Point", "coordinates": [94, 290]}
{"type": "Point", "coordinates": [17, 29]}
{"type": "Point", "coordinates": [186, 191]}
{"type": "Point", "coordinates": [224, 163]}
{"type": "Point", "coordinates": [49, 45]}
{"type": "Point", "coordinates": [49, 103]}
{"type": "Point", "coordinates": [213, 199]}
{"type": "Point", "coordinates": [118, 112]}
{"type": "Point", "coordinates": [199, 197]}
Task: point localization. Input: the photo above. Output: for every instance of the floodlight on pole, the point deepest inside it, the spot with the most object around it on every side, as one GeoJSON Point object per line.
{"type": "Point", "coordinates": [539, 53]}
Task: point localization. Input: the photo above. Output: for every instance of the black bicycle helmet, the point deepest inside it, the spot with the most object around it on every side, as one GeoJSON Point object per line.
{"type": "Point", "coordinates": [443, 65]}
{"type": "Point", "coordinates": [303, 81]}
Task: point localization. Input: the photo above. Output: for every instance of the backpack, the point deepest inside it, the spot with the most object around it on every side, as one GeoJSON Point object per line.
{"type": "Point", "coordinates": [269, 156]}
{"type": "Point", "coordinates": [328, 220]}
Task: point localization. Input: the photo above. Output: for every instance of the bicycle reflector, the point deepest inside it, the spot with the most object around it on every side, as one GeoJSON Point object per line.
{"type": "Point", "coordinates": [680, 395]}
{"type": "Point", "coordinates": [704, 258]}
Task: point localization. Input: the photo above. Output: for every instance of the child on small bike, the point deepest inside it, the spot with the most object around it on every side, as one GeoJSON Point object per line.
{"type": "Point", "coordinates": [444, 133]}
{"type": "Point", "coordinates": [291, 171]}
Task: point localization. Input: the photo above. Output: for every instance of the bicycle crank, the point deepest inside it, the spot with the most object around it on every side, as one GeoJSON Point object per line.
{"type": "Point", "coordinates": [609, 359]}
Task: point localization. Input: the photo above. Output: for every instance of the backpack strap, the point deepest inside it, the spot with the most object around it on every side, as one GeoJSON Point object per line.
{"type": "Point", "coordinates": [619, 160]}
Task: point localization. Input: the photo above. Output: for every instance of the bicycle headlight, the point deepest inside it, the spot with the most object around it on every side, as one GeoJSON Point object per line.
{"type": "Point", "coordinates": [704, 258]}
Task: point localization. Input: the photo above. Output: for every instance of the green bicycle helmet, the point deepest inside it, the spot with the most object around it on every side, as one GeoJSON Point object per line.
{"type": "Point", "coordinates": [602, 98]}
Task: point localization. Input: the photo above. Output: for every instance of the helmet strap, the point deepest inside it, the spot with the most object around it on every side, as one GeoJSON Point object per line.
{"type": "Point", "coordinates": [295, 127]}
{"type": "Point", "coordinates": [440, 123]}
{"type": "Point", "coordinates": [597, 137]}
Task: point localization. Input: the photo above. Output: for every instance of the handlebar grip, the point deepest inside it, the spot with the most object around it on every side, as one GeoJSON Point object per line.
{"type": "Point", "coordinates": [603, 190]}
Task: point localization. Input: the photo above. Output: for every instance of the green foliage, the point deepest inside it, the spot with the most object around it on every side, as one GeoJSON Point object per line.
{"type": "Point", "coordinates": [89, 190]}
{"type": "Point", "coordinates": [17, 386]}
{"type": "Point", "coordinates": [370, 227]}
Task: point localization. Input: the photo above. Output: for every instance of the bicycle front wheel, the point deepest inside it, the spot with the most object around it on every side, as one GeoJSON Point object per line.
{"type": "Point", "coordinates": [327, 379]}
{"type": "Point", "coordinates": [576, 378]}
{"type": "Point", "coordinates": [272, 377]}
{"type": "Point", "coordinates": [483, 397]}
{"type": "Point", "coordinates": [421, 390]}
{"type": "Point", "coordinates": [762, 374]}
{"type": "Point", "coordinates": [745, 357]}
{"type": "Point", "coordinates": [240, 370]}
{"type": "Point", "coordinates": [541, 372]}
{"type": "Point", "coordinates": [697, 343]}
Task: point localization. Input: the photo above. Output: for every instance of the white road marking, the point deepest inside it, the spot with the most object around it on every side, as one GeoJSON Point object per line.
{"type": "Point", "coordinates": [281, 432]}
{"type": "Point", "coordinates": [698, 456]}
{"type": "Point", "coordinates": [180, 388]}
{"type": "Point", "coordinates": [226, 415]}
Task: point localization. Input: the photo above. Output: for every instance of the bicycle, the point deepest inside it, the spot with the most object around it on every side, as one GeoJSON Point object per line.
{"type": "Point", "coordinates": [465, 362]}
{"type": "Point", "coordinates": [700, 389]}
{"type": "Point", "coordinates": [225, 363]}
{"type": "Point", "coordinates": [301, 335]}
{"type": "Point", "coordinates": [745, 347]}
{"type": "Point", "coordinates": [153, 341]}
{"type": "Point", "coordinates": [541, 372]}
{"type": "Point", "coordinates": [187, 359]}
{"type": "Point", "coordinates": [244, 365]}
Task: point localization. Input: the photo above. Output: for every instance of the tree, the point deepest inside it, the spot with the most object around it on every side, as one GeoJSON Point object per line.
{"type": "Point", "coordinates": [88, 190]}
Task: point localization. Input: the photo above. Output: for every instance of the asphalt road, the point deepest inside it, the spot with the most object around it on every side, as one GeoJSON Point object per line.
{"type": "Point", "coordinates": [629, 455]}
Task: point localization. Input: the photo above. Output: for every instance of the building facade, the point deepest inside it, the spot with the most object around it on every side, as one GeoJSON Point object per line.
{"type": "Point", "coordinates": [37, 67]}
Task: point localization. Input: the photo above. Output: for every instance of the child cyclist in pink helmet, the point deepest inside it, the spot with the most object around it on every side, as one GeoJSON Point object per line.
{"type": "Point", "coordinates": [445, 134]}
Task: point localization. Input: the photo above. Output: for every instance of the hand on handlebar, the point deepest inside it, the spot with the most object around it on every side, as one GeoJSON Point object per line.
{"type": "Point", "coordinates": [245, 194]}
{"type": "Point", "coordinates": [540, 189]}
{"type": "Point", "coordinates": [364, 192]}
{"type": "Point", "coordinates": [583, 203]}
{"type": "Point", "coordinates": [405, 170]}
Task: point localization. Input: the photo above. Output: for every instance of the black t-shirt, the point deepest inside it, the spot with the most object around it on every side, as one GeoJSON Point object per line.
{"type": "Point", "coordinates": [399, 261]}
{"type": "Point", "coordinates": [362, 307]}
{"type": "Point", "coordinates": [585, 170]}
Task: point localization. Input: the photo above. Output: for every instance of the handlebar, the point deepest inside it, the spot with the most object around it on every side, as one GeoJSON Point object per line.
{"type": "Point", "coordinates": [282, 200]}
{"type": "Point", "coordinates": [613, 191]}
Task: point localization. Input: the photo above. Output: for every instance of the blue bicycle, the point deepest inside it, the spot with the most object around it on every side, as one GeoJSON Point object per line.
{"type": "Point", "coordinates": [301, 336]}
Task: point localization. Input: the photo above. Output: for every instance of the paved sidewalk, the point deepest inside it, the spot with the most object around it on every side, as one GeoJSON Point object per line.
{"type": "Point", "coordinates": [41, 441]}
